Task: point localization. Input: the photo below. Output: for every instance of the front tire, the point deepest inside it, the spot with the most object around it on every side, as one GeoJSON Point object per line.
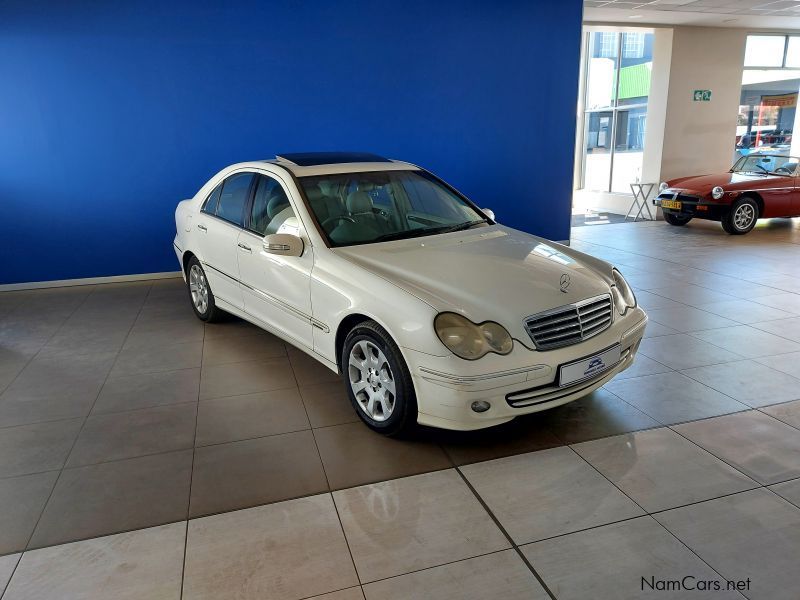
{"type": "Point", "coordinates": [378, 381]}
{"type": "Point", "coordinates": [200, 294]}
{"type": "Point", "coordinates": [676, 220]}
{"type": "Point", "coordinates": [742, 216]}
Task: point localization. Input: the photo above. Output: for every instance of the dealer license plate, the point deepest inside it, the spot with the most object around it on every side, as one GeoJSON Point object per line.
{"type": "Point", "coordinates": [673, 204]}
{"type": "Point", "coordinates": [586, 368]}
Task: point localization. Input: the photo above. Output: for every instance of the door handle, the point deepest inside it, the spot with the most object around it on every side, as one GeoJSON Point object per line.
{"type": "Point", "coordinates": [202, 228]}
{"type": "Point", "coordinates": [245, 247]}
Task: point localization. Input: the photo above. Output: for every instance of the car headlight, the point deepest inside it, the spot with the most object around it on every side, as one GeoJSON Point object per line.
{"type": "Point", "coordinates": [471, 341]}
{"type": "Point", "coordinates": [622, 292]}
{"type": "Point", "coordinates": [662, 186]}
{"type": "Point", "coordinates": [717, 193]}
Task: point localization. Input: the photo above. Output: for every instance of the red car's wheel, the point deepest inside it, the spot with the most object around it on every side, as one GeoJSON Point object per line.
{"type": "Point", "coordinates": [742, 216]}
{"type": "Point", "coordinates": [676, 220]}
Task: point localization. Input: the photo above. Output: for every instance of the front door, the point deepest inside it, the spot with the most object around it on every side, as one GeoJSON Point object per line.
{"type": "Point", "coordinates": [276, 289]}
{"type": "Point", "coordinates": [219, 225]}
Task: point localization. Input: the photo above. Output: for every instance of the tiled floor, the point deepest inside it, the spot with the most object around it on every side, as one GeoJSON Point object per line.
{"type": "Point", "coordinates": [145, 455]}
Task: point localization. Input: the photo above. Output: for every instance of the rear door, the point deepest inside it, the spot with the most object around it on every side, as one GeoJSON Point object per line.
{"type": "Point", "coordinates": [219, 225]}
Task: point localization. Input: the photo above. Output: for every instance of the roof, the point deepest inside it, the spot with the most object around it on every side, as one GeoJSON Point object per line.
{"type": "Point", "coordinates": [304, 164]}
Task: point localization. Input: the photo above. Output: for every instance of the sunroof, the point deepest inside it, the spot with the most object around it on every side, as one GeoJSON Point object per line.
{"type": "Point", "coordinates": [310, 159]}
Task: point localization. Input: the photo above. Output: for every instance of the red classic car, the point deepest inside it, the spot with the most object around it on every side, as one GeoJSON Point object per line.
{"type": "Point", "coordinates": [758, 186]}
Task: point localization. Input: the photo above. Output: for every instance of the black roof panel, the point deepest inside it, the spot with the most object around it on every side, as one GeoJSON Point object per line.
{"type": "Point", "coordinates": [310, 159]}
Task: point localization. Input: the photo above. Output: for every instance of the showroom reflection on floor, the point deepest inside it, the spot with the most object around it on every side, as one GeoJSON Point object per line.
{"type": "Point", "coordinates": [121, 413]}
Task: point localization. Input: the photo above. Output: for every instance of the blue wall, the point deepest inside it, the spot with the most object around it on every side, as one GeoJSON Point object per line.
{"type": "Point", "coordinates": [112, 112]}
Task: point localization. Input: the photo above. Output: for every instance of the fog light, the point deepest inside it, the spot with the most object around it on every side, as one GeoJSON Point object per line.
{"type": "Point", "coordinates": [480, 406]}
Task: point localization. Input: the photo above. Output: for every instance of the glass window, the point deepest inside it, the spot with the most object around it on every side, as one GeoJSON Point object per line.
{"type": "Point", "coordinates": [271, 211]}
{"type": "Point", "coordinates": [764, 50]}
{"type": "Point", "coordinates": [632, 45]}
{"type": "Point", "coordinates": [235, 190]}
{"type": "Point", "coordinates": [607, 45]}
{"type": "Point", "coordinates": [793, 52]}
{"type": "Point", "coordinates": [359, 208]}
{"type": "Point", "coordinates": [210, 205]}
{"type": "Point", "coordinates": [615, 117]}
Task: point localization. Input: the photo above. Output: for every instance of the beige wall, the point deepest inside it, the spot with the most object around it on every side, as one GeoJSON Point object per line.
{"type": "Point", "coordinates": [699, 137]}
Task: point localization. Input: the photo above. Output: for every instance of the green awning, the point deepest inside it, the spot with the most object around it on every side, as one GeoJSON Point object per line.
{"type": "Point", "coordinates": [634, 81]}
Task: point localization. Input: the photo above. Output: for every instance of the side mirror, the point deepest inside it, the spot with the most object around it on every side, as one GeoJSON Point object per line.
{"type": "Point", "coordinates": [489, 213]}
{"type": "Point", "coordinates": [284, 244]}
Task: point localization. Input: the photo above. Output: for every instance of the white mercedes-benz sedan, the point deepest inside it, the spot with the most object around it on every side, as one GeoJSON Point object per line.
{"type": "Point", "coordinates": [431, 311]}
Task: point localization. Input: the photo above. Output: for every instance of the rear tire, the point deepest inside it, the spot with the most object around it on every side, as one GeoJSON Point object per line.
{"type": "Point", "coordinates": [676, 220]}
{"type": "Point", "coordinates": [200, 294]}
{"type": "Point", "coordinates": [378, 381]}
{"type": "Point", "coordinates": [742, 216]}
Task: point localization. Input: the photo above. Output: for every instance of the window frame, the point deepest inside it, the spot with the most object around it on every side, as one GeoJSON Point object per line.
{"type": "Point", "coordinates": [247, 201]}
{"type": "Point", "coordinates": [248, 209]}
{"type": "Point", "coordinates": [786, 37]}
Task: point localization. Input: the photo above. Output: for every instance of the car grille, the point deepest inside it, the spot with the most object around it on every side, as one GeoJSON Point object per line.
{"type": "Point", "coordinates": [570, 324]}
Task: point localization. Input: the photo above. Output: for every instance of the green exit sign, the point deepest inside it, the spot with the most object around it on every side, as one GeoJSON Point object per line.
{"type": "Point", "coordinates": [702, 95]}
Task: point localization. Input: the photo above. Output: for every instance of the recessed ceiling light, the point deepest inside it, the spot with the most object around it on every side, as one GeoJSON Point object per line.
{"type": "Point", "coordinates": [640, 16]}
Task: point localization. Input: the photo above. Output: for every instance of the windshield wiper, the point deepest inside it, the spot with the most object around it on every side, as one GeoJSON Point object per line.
{"type": "Point", "coordinates": [412, 233]}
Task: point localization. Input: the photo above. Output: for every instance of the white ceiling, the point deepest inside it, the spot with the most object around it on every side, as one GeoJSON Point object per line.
{"type": "Point", "coordinates": [756, 14]}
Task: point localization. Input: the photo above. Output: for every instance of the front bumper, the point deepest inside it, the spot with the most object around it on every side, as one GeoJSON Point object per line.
{"type": "Point", "coordinates": [693, 206]}
{"type": "Point", "coordinates": [520, 383]}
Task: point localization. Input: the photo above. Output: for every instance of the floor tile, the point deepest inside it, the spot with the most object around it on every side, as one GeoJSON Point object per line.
{"type": "Point", "coordinates": [25, 407]}
{"type": "Point", "coordinates": [788, 412]}
{"type": "Point", "coordinates": [352, 455]}
{"type": "Point", "coordinates": [498, 575]}
{"type": "Point", "coordinates": [21, 502]}
{"type": "Point", "coordinates": [547, 493]}
{"type": "Point", "coordinates": [413, 523]}
{"type": "Point", "coordinates": [242, 348]}
{"type": "Point", "coordinates": [524, 434]}
{"type": "Point", "coordinates": [289, 550]}
{"type": "Point", "coordinates": [353, 593]}
{"type": "Point", "coordinates": [134, 433]}
{"type": "Point", "coordinates": [155, 332]}
{"type": "Point", "coordinates": [657, 330]}
{"type": "Point", "coordinates": [659, 469]}
{"type": "Point", "coordinates": [745, 311]}
{"type": "Point", "coordinates": [786, 363]}
{"type": "Point", "coordinates": [597, 415]}
{"type": "Point", "coordinates": [752, 535]}
{"type": "Point", "coordinates": [789, 490]}
{"type": "Point", "coordinates": [247, 473]}
{"type": "Point", "coordinates": [763, 448]}
{"type": "Point", "coordinates": [146, 390]}
{"type": "Point", "coordinates": [748, 381]}
{"type": "Point", "coordinates": [309, 371]}
{"type": "Point", "coordinates": [786, 328]}
{"type": "Point", "coordinates": [643, 365]}
{"type": "Point", "coordinates": [650, 301]}
{"type": "Point", "coordinates": [327, 404]}
{"type": "Point", "coordinates": [250, 416]}
{"type": "Point", "coordinates": [693, 295]}
{"type": "Point", "coordinates": [7, 565]}
{"type": "Point", "coordinates": [683, 351]}
{"type": "Point", "coordinates": [235, 379]}
{"type": "Point", "coordinates": [686, 318]}
{"type": "Point", "coordinates": [784, 301]}
{"type": "Point", "coordinates": [614, 559]}
{"type": "Point", "coordinates": [748, 341]}
{"type": "Point", "coordinates": [673, 398]}
{"type": "Point", "coordinates": [36, 448]}
{"type": "Point", "coordinates": [117, 496]}
{"type": "Point", "coordinates": [126, 566]}
{"type": "Point", "coordinates": [132, 361]}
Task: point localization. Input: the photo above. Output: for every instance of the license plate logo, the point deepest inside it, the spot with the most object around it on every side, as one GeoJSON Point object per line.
{"type": "Point", "coordinates": [589, 367]}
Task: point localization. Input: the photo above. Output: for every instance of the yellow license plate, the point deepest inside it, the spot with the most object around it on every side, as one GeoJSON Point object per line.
{"type": "Point", "coordinates": [673, 204]}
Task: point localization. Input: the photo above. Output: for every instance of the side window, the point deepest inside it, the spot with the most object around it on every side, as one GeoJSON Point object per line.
{"type": "Point", "coordinates": [210, 205]}
{"type": "Point", "coordinates": [233, 198]}
{"type": "Point", "coordinates": [271, 211]}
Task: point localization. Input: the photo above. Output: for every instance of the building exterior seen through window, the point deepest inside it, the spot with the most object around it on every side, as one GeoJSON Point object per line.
{"type": "Point", "coordinates": [617, 86]}
{"type": "Point", "coordinates": [768, 104]}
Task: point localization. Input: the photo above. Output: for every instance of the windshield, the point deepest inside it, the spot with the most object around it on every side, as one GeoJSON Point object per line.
{"type": "Point", "coordinates": [362, 208]}
{"type": "Point", "coordinates": [766, 164]}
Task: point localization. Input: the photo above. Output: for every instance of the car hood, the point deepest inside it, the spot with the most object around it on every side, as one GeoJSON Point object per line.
{"type": "Point", "coordinates": [488, 273]}
{"type": "Point", "coordinates": [703, 184]}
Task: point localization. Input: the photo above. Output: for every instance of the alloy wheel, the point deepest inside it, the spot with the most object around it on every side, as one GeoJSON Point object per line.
{"type": "Point", "coordinates": [198, 286]}
{"type": "Point", "coordinates": [743, 216]}
{"type": "Point", "coordinates": [372, 380]}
